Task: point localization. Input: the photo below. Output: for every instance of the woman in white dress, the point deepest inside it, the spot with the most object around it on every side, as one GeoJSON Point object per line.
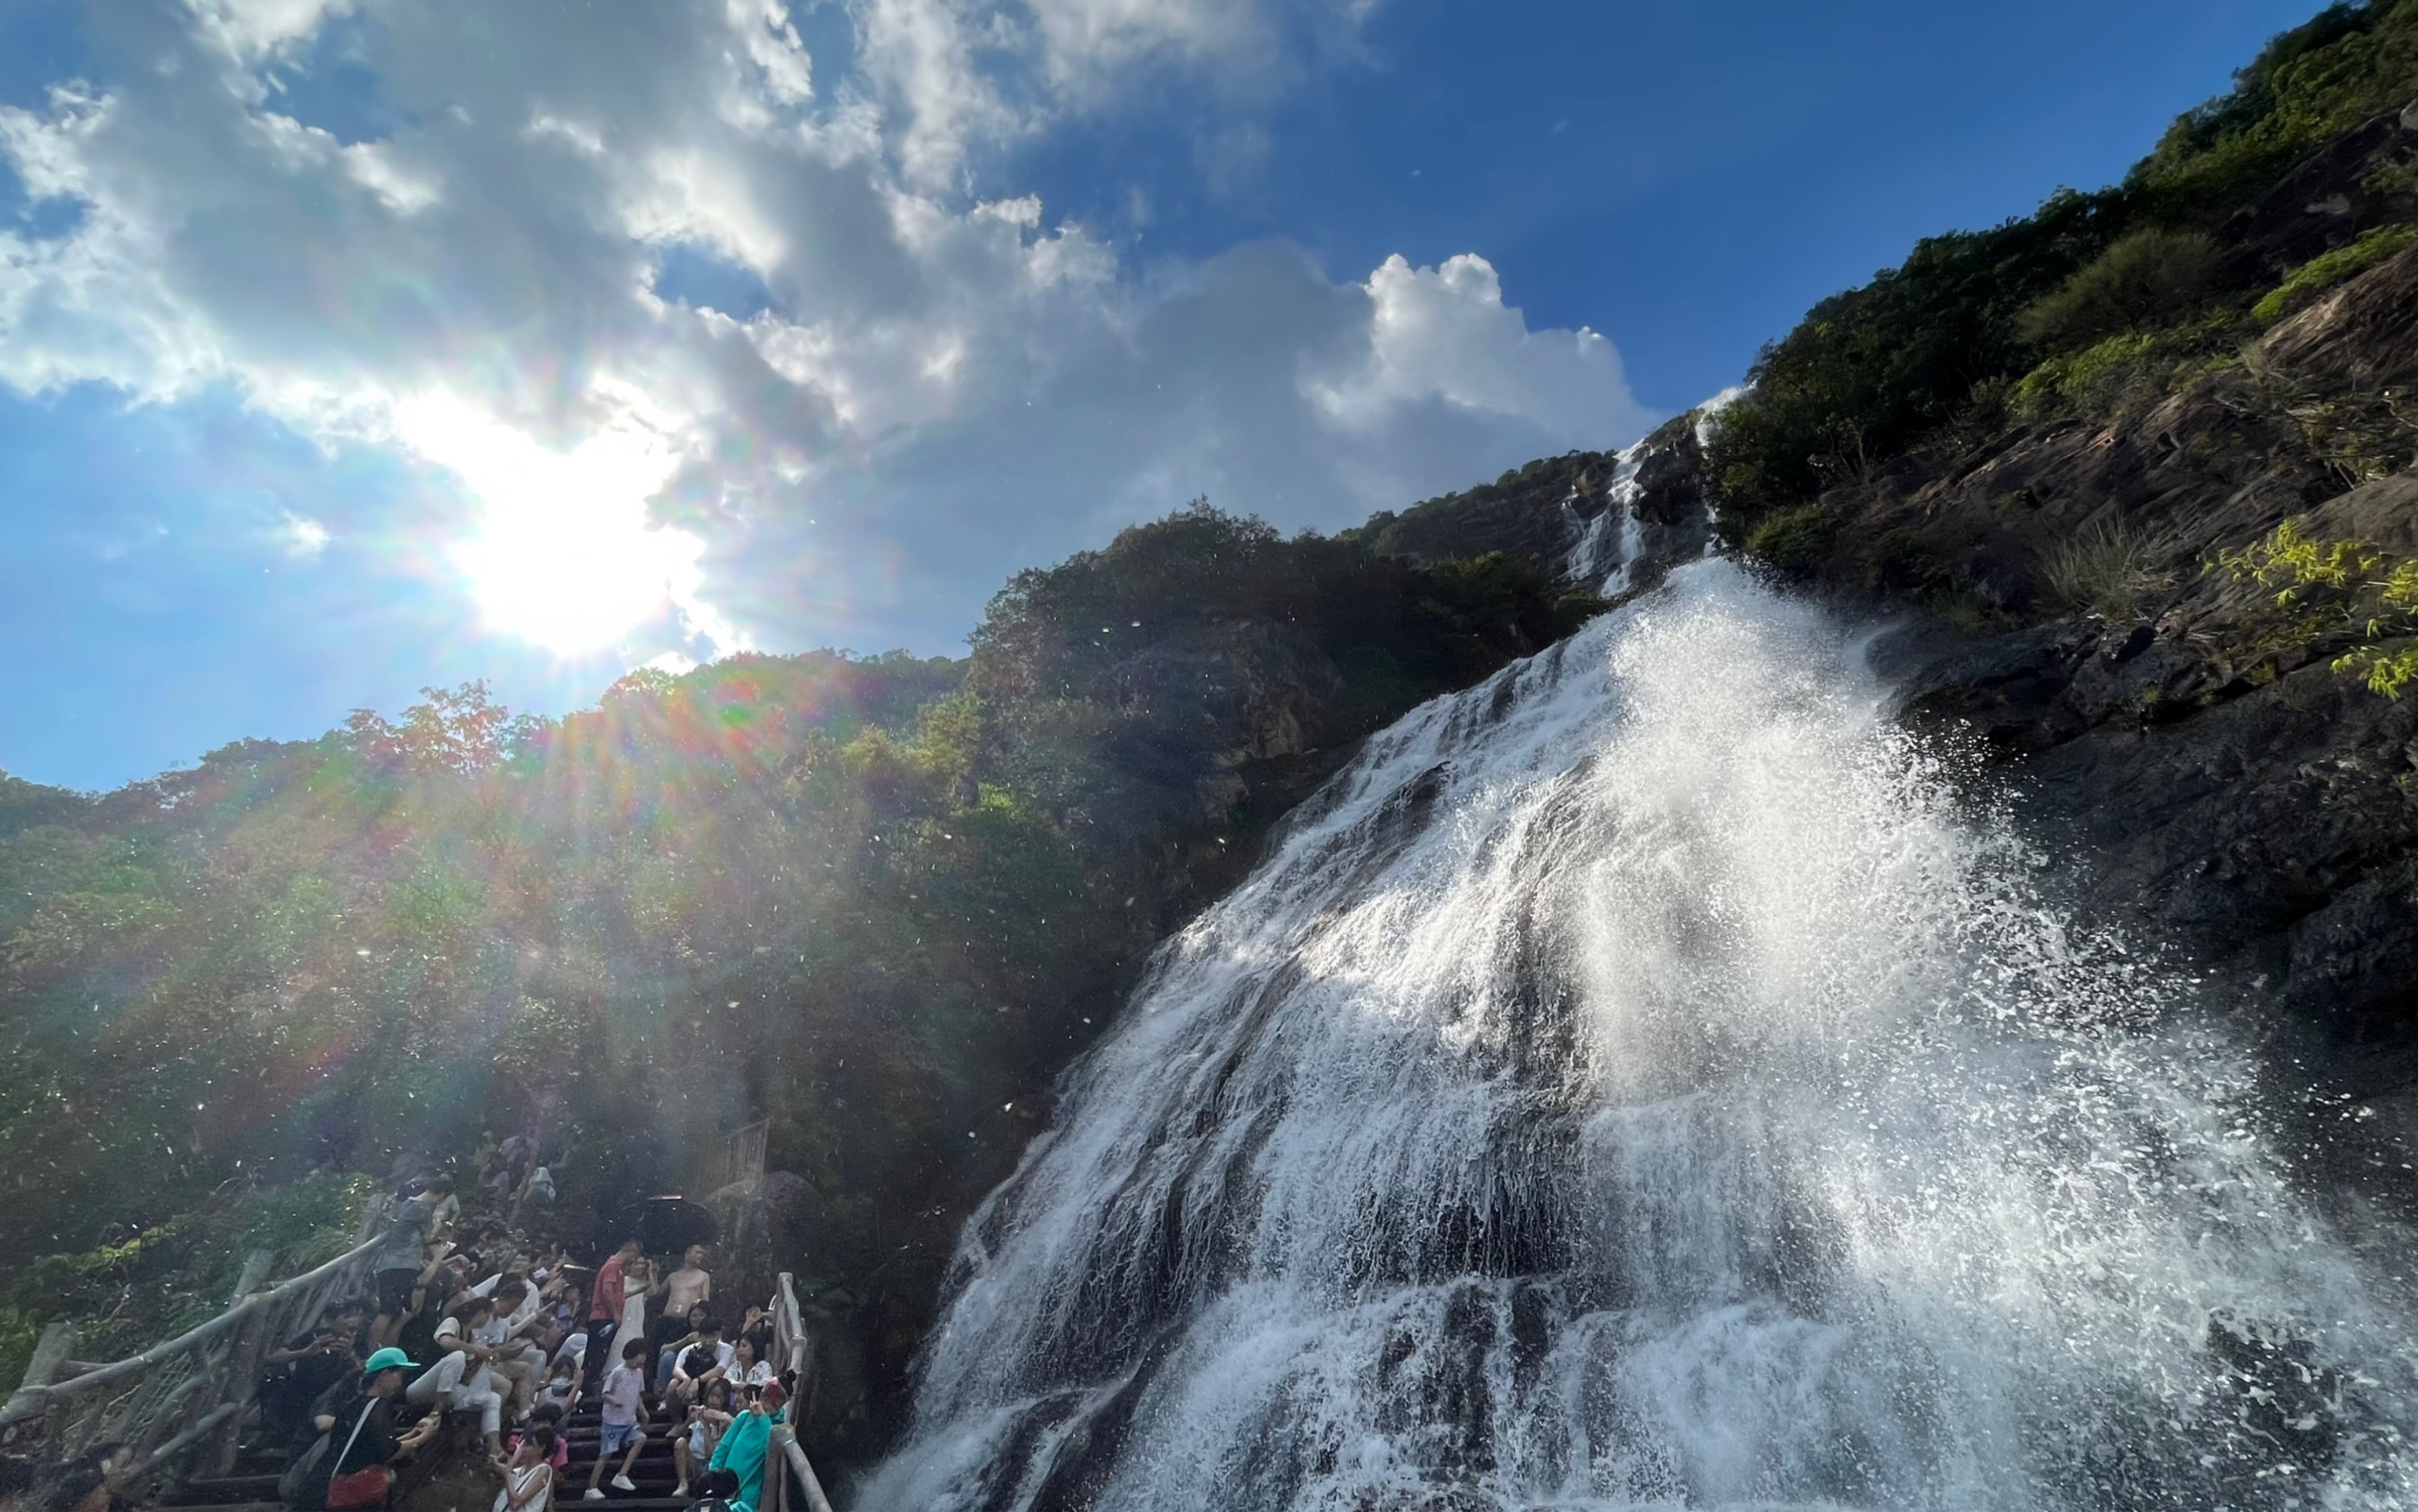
{"type": "Point", "coordinates": [637, 1279]}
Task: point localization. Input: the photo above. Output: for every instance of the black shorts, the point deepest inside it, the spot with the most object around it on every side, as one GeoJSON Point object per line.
{"type": "Point", "coordinates": [394, 1290]}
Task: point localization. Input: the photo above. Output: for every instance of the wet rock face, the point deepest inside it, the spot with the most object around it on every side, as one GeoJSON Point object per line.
{"type": "Point", "coordinates": [2207, 782]}
{"type": "Point", "coordinates": [1671, 476]}
{"type": "Point", "coordinates": [1674, 523]}
{"type": "Point", "coordinates": [2362, 334]}
{"type": "Point", "coordinates": [2320, 203]}
{"type": "Point", "coordinates": [2231, 799]}
{"type": "Point", "coordinates": [2271, 830]}
{"type": "Point", "coordinates": [1529, 511]}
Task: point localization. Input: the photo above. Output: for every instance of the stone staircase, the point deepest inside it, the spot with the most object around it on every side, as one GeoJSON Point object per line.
{"type": "Point", "coordinates": [181, 1411]}
{"type": "Point", "coordinates": [251, 1485]}
{"type": "Point", "coordinates": [654, 1472]}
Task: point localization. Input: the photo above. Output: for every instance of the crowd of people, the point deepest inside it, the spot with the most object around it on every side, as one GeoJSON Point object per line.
{"type": "Point", "coordinates": [471, 1320]}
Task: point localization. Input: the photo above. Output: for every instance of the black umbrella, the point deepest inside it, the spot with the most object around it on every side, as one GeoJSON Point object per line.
{"type": "Point", "coordinates": [667, 1225]}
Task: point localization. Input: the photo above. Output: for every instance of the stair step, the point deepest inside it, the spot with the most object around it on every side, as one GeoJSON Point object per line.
{"type": "Point", "coordinates": [565, 1500]}
{"type": "Point", "coordinates": [220, 1490]}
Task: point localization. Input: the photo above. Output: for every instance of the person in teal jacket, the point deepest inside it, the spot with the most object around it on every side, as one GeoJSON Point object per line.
{"type": "Point", "coordinates": [743, 1446]}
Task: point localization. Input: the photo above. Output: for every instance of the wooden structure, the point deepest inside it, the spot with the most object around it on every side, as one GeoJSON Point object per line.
{"type": "Point", "coordinates": [186, 1395]}
{"type": "Point", "coordinates": [790, 1483]}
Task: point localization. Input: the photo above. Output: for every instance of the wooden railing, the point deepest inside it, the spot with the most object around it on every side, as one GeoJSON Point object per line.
{"type": "Point", "coordinates": [192, 1391]}
{"type": "Point", "coordinates": [791, 1352]}
{"type": "Point", "coordinates": [189, 1392]}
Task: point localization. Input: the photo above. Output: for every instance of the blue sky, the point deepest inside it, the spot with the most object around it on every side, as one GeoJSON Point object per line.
{"type": "Point", "coordinates": [349, 347]}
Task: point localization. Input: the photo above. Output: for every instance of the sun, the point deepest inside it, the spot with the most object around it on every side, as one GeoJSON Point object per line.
{"type": "Point", "coordinates": [564, 554]}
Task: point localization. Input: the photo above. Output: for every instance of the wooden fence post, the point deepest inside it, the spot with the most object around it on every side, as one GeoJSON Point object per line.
{"type": "Point", "coordinates": [243, 1378]}
{"type": "Point", "coordinates": [50, 1352]}
{"type": "Point", "coordinates": [256, 1270]}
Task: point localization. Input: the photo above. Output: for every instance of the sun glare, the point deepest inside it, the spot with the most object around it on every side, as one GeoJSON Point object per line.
{"type": "Point", "coordinates": [564, 554]}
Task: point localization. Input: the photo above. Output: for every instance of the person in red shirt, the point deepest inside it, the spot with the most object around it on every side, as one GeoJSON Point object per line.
{"type": "Point", "coordinates": [605, 1308]}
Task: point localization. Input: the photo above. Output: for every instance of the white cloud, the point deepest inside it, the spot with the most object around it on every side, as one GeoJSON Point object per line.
{"type": "Point", "coordinates": [945, 385]}
{"type": "Point", "coordinates": [249, 30]}
{"type": "Point", "coordinates": [301, 537]}
{"type": "Point", "coordinates": [1444, 332]}
{"type": "Point", "coordinates": [958, 74]}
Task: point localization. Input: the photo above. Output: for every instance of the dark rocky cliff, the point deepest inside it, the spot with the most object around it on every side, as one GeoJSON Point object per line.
{"type": "Point", "coordinates": [2205, 769]}
{"type": "Point", "coordinates": [2202, 768]}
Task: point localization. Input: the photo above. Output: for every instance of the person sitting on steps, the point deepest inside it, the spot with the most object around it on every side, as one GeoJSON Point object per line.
{"type": "Point", "coordinates": [556, 1418]}
{"type": "Point", "coordinates": [528, 1473]}
{"type": "Point", "coordinates": [512, 1354]}
{"type": "Point", "coordinates": [674, 1337]}
{"type": "Point", "coordinates": [460, 1379]}
{"type": "Point", "coordinates": [358, 1416]}
{"type": "Point", "coordinates": [306, 1365]}
{"type": "Point", "coordinates": [708, 1359]}
{"type": "Point", "coordinates": [561, 1389]}
{"type": "Point", "coordinates": [748, 1366]}
{"type": "Point", "coordinates": [693, 1449]}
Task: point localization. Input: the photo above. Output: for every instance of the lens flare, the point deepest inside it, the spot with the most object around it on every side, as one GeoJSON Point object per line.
{"type": "Point", "coordinates": [564, 554]}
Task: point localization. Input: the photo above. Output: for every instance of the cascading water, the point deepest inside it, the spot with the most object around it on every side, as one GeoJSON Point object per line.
{"type": "Point", "coordinates": [1608, 549]}
{"type": "Point", "coordinates": [1641, 1081]}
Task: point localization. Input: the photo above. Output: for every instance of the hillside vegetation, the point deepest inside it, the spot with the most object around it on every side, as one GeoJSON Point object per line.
{"type": "Point", "coordinates": [879, 900]}
{"type": "Point", "coordinates": [2248, 207]}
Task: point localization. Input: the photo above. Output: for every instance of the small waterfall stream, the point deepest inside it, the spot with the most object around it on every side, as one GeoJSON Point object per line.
{"type": "Point", "coordinates": [1608, 550]}
{"type": "Point", "coordinates": [1644, 1080]}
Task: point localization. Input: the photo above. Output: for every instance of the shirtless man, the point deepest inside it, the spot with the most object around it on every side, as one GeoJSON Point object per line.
{"type": "Point", "coordinates": [684, 1290]}
{"type": "Point", "coordinates": [689, 1284]}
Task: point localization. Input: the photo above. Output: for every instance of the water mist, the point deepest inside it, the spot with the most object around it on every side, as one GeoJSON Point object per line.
{"type": "Point", "coordinates": [1645, 1080]}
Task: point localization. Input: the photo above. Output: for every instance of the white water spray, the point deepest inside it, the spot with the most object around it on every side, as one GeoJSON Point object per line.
{"type": "Point", "coordinates": [1605, 554]}
{"type": "Point", "coordinates": [1639, 1082]}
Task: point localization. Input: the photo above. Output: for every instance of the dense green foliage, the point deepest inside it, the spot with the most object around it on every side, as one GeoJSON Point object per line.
{"type": "Point", "coordinates": [880, 901]}
{"type": "Point", "coordinates": [1869, 372]}
{"type": "Point", "coordinates": [1061, 632]}
{"type": "Point", "coordinates": [2145, 279]}
{"type": "Point", "coordinates": [2345, 593]}
{"type": "Point", "coordinates": [139, 1286]}
{"type": "Point", "coordinates": [2308, 85]}
{"type": "Point", "coordinates": [1873, 372]}
{"type": "Point", "coordinates": [2340, 265]}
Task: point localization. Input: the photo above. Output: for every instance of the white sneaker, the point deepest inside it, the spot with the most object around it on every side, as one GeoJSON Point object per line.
{"type": "Point", "coordinates": [622, 1483]}
{"type": "Point", "coordinates": [681, 1490]}
{"type": "Point", "coordinates": [592, 1494]}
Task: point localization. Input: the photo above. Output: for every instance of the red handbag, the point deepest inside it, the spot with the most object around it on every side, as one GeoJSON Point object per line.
{"type": "Point", "coordinates": [365, 1486]}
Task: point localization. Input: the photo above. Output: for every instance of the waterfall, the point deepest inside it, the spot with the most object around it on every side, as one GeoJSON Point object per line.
{"type": "Point", "coordinates": [1647, 1079]}
{"type": "Point", "coordinates": [1606, 550]}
